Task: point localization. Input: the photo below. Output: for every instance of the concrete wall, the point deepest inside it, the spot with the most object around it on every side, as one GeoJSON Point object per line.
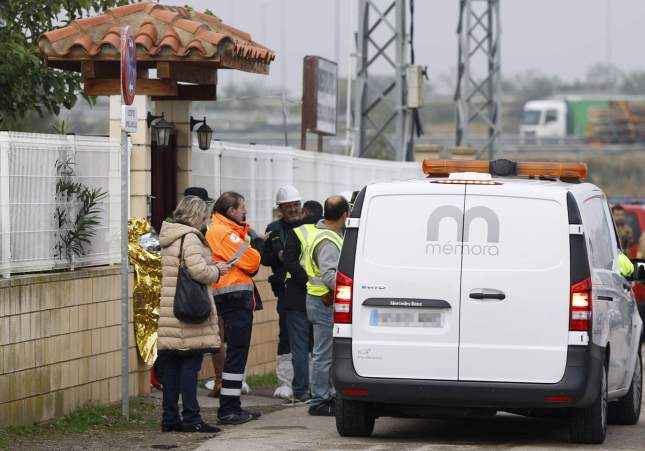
{"type": "Point", "coordinates": [60, 343]}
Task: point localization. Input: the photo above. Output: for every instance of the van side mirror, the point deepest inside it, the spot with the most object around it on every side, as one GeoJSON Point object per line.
{"type": "Point", "coordinates": [639, 270]}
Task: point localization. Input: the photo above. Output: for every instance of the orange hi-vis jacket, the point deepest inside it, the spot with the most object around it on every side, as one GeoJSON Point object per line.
{"type": "Point", "coordinates": [227, 240]}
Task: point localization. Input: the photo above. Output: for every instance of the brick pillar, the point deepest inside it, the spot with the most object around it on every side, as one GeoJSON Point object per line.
{"type": "Point", "coordinates": [140, 158]}
{"type": "Point", "coordinates": [178, 112]}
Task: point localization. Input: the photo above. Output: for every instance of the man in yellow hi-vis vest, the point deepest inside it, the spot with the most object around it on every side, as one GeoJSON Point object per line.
{"type": "Point", "coordinates": [295, 297]}
{"type": "Point", "coordinates": [322, 251]}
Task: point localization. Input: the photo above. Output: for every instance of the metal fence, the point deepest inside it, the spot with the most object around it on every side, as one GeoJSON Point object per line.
{"type": "Point", "coordinates": [257, 171]}
{"type": "Point", "coordinates": [29, 228]}
{"type": "Point", "coordinates": [29, 231]}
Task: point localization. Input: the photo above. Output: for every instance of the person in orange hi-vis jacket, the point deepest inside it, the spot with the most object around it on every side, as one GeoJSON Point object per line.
{"type": "Point", "coordinates": [234, 298]}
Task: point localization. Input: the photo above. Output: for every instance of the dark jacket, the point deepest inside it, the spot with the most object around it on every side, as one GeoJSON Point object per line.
{"type": "Point", "coordinates": [272, 248]}
{"type": "Point", "coordinates": [296, 289]}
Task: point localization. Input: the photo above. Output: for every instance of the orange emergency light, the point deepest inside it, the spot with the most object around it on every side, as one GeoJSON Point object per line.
{"type": "Point", "coordinates": [506, 168]}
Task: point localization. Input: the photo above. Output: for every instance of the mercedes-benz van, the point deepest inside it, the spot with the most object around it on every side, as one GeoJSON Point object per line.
{"type": "Point", "coordinates": [472, 293]}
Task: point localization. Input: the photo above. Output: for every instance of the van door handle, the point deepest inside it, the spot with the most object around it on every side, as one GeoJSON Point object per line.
{"type": "Point", "coordinates": [605, 298]}
{"type": "Point", "coordinates": [487, 293]}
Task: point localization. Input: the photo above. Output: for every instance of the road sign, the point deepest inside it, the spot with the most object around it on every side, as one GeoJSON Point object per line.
{"type": "Point", "coordinates": [129, 118]}
{"type": "Point", "coordinates": [128, 65]}
{"type": "Point", "coordinates": [320, 93]}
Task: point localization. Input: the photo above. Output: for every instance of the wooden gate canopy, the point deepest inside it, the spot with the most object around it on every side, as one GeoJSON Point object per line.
{"type": "Point", "coordinates": [184, 46]}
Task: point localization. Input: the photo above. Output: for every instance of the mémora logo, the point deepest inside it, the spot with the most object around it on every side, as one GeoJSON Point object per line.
{"type": "Point", "coordinates": [456, 215]}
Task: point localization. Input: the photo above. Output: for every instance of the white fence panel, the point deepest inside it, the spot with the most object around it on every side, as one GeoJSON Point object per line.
{"type": "Point", "coordinates": [28, 177]}
{"type": "Point", "coordinates": [257, 171]}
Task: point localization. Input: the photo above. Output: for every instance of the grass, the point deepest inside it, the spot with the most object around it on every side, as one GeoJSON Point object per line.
{"type": "Point", "coordinates": [262, 380]}
{"type": "Point", "coordinates": [143, 415]}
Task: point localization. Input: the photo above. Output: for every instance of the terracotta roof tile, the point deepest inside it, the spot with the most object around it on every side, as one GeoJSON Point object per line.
{"type": "Point", "coordinates": [171, 41]}
{"type": "Point", "coordinates": [212, 36]}
{"type": "Point", "coordinates": [197, 45]}
{"type": "Point", "coordinates": [165, 15]}
{"type": "Point", "coordinates": [111, 39]}
{"type": "Point", "coordinates": [213, 20]}
{"type": "Point", "coordinates": [163, 33]}
{"type": "Point", "coordinates": [189, 25]}
{"type": "Point", "coordinates": [148, 29]}
{"type": "Point", "coordinates": [122, 11]}
{"type": "Point", "coordinates": [62, 33]}
{"type": "Point", "coordinates": [240, 33]}
{"type": "Point", "coordinates": [85, 42]}
{"type": "Point", "coordinates": [90, 22]}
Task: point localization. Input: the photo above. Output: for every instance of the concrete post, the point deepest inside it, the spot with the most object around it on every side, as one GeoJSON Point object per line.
{"type": "Point", "coordinates": [140, 156]}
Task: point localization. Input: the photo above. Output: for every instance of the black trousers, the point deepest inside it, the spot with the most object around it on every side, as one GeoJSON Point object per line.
{"type": "Point", "coordinates": [179, 376]}
{"type": "Point", "coordinates": [284, 346]}
{"type": "Point", "coordinates": [238, 325]}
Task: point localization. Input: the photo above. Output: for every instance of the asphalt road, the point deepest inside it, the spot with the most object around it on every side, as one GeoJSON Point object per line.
{"type": "Point", "coordinates": [294, 429]}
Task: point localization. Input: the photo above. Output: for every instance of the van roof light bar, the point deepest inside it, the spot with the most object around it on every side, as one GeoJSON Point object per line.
{"type": "Point", "coordinates": [507, 168]}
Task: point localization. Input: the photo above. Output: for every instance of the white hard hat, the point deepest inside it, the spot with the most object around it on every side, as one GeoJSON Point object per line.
{"type": "Point", "coordinates": [286, 194]}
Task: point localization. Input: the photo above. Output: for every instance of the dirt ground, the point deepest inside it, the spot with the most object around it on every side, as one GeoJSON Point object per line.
{"type": "Point", "coordinates": [146, 435]}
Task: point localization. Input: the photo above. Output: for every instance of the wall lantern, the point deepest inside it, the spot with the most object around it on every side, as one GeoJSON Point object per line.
{"type": "Point", "coordinates": [204, 133]}
{"type": "Point", "coordinates": [161, 129]}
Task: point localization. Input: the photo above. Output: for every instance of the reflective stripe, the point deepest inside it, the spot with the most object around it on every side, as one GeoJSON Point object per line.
{"type": "Point", "coordinates": [238, 254]}
{"type": "Point", "coordinates": [233, 377]}
{"type": "Point", "coordinates": [231, 392]}
{"type": "Point", "coordinates": [316, 281]}
{"type": "Point", "coordinates": [233, 289]}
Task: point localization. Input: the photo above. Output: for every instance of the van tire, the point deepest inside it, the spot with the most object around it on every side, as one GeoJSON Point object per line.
{"type": "Point", "coordinates": [589, 424]}
{"type": "Point", "coordinates": [627, 410]}
{"type": "Point", "coordinates": [353, 419]}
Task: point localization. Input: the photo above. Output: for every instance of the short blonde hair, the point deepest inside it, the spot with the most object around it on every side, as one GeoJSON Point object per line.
{"type": "Point", "coordinates": [191, 211]}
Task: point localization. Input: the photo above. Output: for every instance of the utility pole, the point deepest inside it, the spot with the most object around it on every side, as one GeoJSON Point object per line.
{"type": "Point", "coordinates": [478, 97]}
{"type": "Point", "coordinates": [381, 117]}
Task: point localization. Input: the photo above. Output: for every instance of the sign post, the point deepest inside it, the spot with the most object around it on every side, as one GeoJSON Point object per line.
{"type": "Point", "coordinates": [128, 124]}
{"type": "Point", "coordinates": [320, 94]}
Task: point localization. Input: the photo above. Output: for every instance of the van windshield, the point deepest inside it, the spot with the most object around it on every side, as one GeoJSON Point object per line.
{"type": "Point", "coordinates": [531, 117]}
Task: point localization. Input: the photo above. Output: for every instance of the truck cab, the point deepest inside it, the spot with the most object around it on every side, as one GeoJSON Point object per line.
{"type": "Point", "coordinates": [544, 119]}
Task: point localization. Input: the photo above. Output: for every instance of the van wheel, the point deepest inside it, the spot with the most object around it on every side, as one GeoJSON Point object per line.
{"type": "Point", "coordinates": [589, 425]}
{"type": "Point", "coordinates": [353, 419]}
{"type": "Point", "coordinates": [627, 410]}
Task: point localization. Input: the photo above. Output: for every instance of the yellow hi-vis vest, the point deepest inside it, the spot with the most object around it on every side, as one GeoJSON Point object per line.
{"type": "Point", "coordinates": [315, 285]}
{"type": "Point", "coordinates": [302, 233]}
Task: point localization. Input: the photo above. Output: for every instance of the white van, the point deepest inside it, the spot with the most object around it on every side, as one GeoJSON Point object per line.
{"type": "Point", "coordinates": [474, 293]}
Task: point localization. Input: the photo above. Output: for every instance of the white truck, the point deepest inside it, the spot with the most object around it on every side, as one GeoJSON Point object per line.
{"type": "Point", "coordinates": [604, 118]}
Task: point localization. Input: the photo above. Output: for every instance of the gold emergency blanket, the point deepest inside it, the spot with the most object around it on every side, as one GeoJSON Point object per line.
{"type": "Point", "coordinates": [146, 292]}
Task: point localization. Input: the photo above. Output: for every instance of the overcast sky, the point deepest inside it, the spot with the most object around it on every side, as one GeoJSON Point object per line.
{"type": "Point", "coordinates": [557, 37]}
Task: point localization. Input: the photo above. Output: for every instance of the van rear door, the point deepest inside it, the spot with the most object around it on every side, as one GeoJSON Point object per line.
{"type": "Point", "coordinates": [405, 314]}
{"type": "Point", "coordinates": [515, 284]}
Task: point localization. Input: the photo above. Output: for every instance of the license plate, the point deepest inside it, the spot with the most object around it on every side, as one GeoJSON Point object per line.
{"type": "Point", "coordinates": [407, 318]}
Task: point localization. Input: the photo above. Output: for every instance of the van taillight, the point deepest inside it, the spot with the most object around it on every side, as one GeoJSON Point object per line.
{"type": "Point", "coordinates": [580, 319]}
{"type": "Point", "coordinates": [343, 299]}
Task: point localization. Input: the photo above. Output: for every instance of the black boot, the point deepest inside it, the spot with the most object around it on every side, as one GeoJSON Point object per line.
{"type": "Point", "coordinates": [171, 427]}
{"type": "Point", "coordinates": [200, 427]}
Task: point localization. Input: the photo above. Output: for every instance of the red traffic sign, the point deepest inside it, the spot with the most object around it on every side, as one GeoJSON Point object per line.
{"type": "Point", "coordinates": [128, 65]}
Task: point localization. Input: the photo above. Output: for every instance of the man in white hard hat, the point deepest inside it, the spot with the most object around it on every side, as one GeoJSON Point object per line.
{"type": "Point", "coordinates": [289, 204]}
